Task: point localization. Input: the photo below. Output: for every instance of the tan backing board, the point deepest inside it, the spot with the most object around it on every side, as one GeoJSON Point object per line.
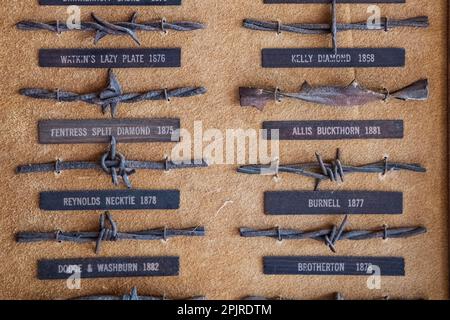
{"type": "Point", "coordinates": [222, 58]}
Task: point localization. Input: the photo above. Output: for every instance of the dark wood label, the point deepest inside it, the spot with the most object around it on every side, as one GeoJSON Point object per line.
{"type": "Point", "coordinates": [332, 202]}
{"type": "Point", "coordinates": [108, 267]}
{"type": "Point", "coordinates": [101, 131]}
{"type": "Point", "coordinates": [334, 129]}
{"type": "Point", "coordinates": [111, 58]}
{"type": "Point", "coordinates": [338, 1]}
{"type": "Point", "coordinates": [338, 266]}
{"type": "Point", "coordinates": [110, 200]}
{"type": "Point", "coordinates": [326, 58]}
{"type": "Point", "coordinates": [110, 2]}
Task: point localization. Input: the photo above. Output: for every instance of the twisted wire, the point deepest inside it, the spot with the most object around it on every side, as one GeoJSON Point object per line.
{"type": "Point", "coordinates": [321, 28]}
{"type": "Point", "coordinates": [104, 28]}
{"type": "Point", "coordinates": [337, 233]}
{"type": "Point", "coordinates": [108, 232]}
{"type": "Point", "coordinates": [112, 95]}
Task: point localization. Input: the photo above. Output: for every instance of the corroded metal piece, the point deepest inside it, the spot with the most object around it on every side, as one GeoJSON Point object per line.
{"type": "Point", "coordinates": [338, 96]}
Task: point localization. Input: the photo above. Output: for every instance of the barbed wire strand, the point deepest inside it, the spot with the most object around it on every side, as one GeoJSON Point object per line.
{"type": "Point", "coordinates": [334, 170]}
{"type": "Point", "coordinates": [104, 28]}
{"type": "Point", "coordinates": [133, 296]}
{"type": "Point", "coordinates": [337, 233]}
{"type": "Point", "coordinates": [112, 163]}
{"type": "Point", "coordinates": [320, 28]}
{"type": "Point", "coordinates": [108, 232]}
{"type": "Point", "coordinates": [112, 95]}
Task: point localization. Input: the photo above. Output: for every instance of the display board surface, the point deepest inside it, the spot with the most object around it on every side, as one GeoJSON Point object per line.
{"type": "Point", "coordinates": [222, 58]}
